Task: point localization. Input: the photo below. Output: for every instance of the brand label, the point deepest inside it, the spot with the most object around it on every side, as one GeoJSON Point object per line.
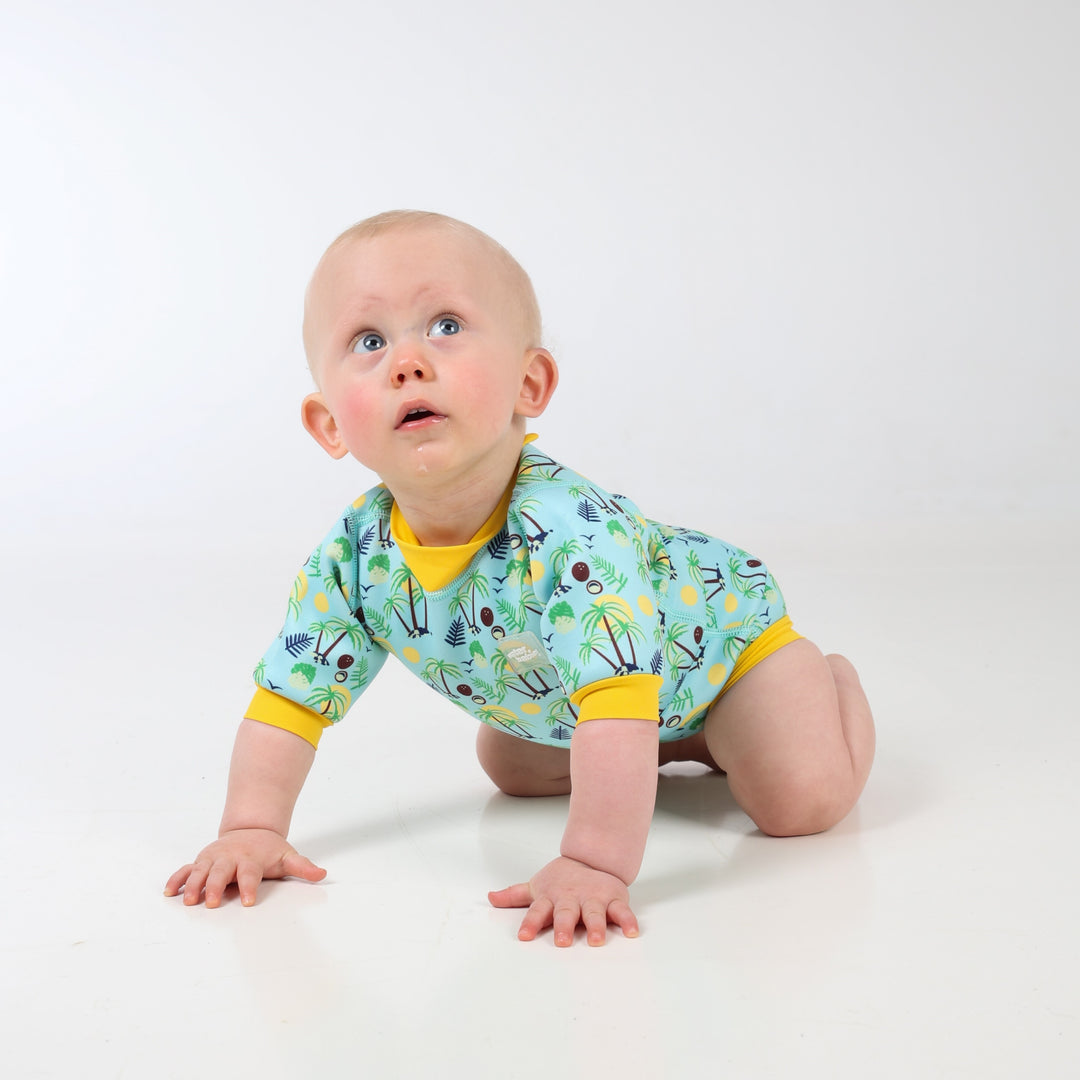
{"type": "Point", "coordinates": [524, 652]}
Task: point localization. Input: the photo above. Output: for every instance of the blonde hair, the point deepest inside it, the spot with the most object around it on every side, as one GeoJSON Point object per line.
{"type": "Point", "coordinates": [519, 281]}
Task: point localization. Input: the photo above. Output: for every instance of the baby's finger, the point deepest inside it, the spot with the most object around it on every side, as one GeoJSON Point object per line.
{"type": "Point", "coordinates": [565, 920]}
{"type": "Point", "coordinates": [222, 873]}
{"type": "Point", "coordinates": [512, 896]}
{"type": "Point", "coordinates": [194, 885]}
{"type": "Point", "coordinates": [248, 876]}
{"type": "Point", "coordinates": [536, 918]}
{"type": "Point", "coordinates": [296, 865]}
{"type": "Point", "coordinates": [594, 916]}
{"type": "Point", "coordinates": [620, 914]}
{"type": "Point", "coordinates": [175, 883]}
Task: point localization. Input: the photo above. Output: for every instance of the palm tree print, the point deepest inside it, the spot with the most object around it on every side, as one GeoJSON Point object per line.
{"type": "Point", "coordinates": [693, 569]}
{"type": "Point", "coordinates": [716, 579]}
{"type": "Point", "coordinates": [506, 679]}
{"type": "Point", "coordinates": [614, 616]}
{"type": "Point", "coordinates": [440, 669]}
{"type": "Point", "coordinates": [407, 591]}
{"type": "Point", "coordinates": [751, 627]}
{"type": "Point", "coordinates": [562, 555]}
{"type": "Point", "coordinates": [296, 596]}
{"type": "Point", "coordinates": [752, 585]}
{"type": "Point", "coordinates": [678, 656]}
{"type": "Point", "coordinates": [474, 584]}
{"type": "Point", "coordinates": [330, 701]}
{"type": "Point", "coordinates": [351, 630]}
{"type": "Point", "coordinates": [495, 715]}
{"type": "Point", "coordinates": [562, 712]}
{"type": "Point", "coordinates": [527, 507]}
{"type": "Point", "coordinates": [588, 494]}
{"type": "Point", "coordinates": [537, 466]}
{"type": "Point", "coordinates": [660, 567]}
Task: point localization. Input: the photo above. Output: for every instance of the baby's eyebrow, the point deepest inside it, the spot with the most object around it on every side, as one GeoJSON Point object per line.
{"type": "Point", "coordinates": [442, 292]}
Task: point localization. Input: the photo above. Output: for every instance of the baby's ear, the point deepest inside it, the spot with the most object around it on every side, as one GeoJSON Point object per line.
{"type": "Point", "coordinates": [322, 426]}
{"type": "Point", "coordinates": [538, 384]}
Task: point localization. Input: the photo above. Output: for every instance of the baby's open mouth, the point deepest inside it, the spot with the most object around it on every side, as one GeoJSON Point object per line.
{"type": "Point", "coordinates": [419, 414]}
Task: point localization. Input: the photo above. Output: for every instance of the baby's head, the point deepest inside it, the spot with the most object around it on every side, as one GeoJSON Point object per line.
{"type": "Point", "coordinates": [423, 335]}
{"type": "Point", "coordinates": [477, 247]}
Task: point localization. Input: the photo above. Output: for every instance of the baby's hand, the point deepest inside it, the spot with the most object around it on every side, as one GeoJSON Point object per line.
{"type": "Point", "coordinates": [245, 856]}
{"type": "Point", "coordinates": [565, 893]}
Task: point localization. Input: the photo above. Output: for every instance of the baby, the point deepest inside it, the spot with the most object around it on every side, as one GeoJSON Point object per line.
{"type": "Point", "coordinates": [591, 643]}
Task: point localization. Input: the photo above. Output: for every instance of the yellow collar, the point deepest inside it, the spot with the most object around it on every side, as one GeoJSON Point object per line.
{"type": "Point", "coordinates": [436, 567]}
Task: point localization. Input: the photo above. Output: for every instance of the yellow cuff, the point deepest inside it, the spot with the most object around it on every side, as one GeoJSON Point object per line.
{"type": "Point", "coordinates": [778, 635]}
{"type": "Point", "coordinates": [270, 708]}
{"type": "Point", "coordinates": [623, 697]}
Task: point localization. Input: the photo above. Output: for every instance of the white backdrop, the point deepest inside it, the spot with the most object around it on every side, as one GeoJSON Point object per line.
{"type": "Point", "coordinates": [811, 271]}
{"type": "Point", "coordinates": [819, 258]}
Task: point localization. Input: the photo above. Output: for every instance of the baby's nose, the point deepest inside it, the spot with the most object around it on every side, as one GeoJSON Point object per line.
{"type": "Point", "coordinates": [409, 363]}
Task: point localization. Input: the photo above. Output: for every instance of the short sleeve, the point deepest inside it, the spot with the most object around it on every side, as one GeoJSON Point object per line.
{"type": "Point", "coordinates": [324, 657]}
{"type": "Point", "coordinates": [600, 620]}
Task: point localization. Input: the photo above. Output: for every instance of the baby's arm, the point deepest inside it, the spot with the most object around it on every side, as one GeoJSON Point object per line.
{"type": "Point", "coordinates": [613, 778]}
{"type": "Point", "coordinates": [269, 767]}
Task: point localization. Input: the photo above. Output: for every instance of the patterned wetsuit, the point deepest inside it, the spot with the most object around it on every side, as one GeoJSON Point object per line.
{"type": "Point", "coordinates": [573, 605]}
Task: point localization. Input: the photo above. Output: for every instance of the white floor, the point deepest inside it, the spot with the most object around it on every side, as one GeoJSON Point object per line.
{"type": "Point", "coordinates": [933, 933]}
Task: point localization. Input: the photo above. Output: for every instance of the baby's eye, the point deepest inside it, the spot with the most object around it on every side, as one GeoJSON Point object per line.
{"type": "Point", "coordinates": [445, 326]}
{"type": "Point", "coordinates": [369, 342]}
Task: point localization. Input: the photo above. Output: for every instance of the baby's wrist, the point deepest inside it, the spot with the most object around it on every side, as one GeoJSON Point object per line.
{"type": "Point", "coordinates": [601, 866]}
{"type": "Point", "coordinates": [227, 829]}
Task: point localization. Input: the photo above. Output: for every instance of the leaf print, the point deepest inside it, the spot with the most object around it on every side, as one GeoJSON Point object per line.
{"type": "Point", "coordinates": [485, 689]}
{"type": "Point", "coordinates": [379, 626]}
{"type": "Point", "coordinates": [358, 677]}
{"type": "Point", "coordinates": [611, 575]}
{"type": "Point", "coordinates": [569, 674]}
{"type": "Point", "coordinates": [511, 616]}
{"type": "Point", "coordinates": [365, 541]}
{"type": "Point", "coordinates": [682, 702]}
{"type": "Point", "coordinates": [297, 644]}
{"type": "Point", "coordinates": [499, 545]}
{"type": "Point", "coordinates": [455, 636]}
{"type": "Point", "coordinates": [587, 511]}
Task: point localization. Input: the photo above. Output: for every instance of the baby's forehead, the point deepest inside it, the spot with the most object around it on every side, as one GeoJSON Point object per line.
{"type": "Point", "coordinates": [472, 260]}
{"type": "Point", "coordinates": [471, 248]}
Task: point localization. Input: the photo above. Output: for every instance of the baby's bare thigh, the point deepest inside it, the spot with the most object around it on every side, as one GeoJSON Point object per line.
{"type": "Point", "coordinates": [780, 736]}
{"type": "Point", "coordinates": [520, 767]}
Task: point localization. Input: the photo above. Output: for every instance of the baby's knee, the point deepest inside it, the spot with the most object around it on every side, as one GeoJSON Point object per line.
{"type": "Point", "coordinates": [803, 808]}
{"type": "Point", "coordinates": [517, 768]}
{"type": "Point", "coordinates": [801, 819]}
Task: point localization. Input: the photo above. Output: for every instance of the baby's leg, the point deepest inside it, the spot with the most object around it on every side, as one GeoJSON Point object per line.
{"type": "Point", "coordinates": [796, 738]}
{"type": "Point", "coordinates": [520, 767]}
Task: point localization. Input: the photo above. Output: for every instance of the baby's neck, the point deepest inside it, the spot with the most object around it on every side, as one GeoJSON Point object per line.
{"type": "Point", "coordinates": [452, 516]}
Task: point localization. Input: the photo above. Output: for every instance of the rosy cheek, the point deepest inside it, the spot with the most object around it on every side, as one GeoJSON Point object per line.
{"type": "Point", "coordinates": [355, 411]}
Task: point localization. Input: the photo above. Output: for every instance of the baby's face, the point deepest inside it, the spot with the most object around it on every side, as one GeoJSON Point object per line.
{"type": "Point", "coordinates": [417, 342]}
